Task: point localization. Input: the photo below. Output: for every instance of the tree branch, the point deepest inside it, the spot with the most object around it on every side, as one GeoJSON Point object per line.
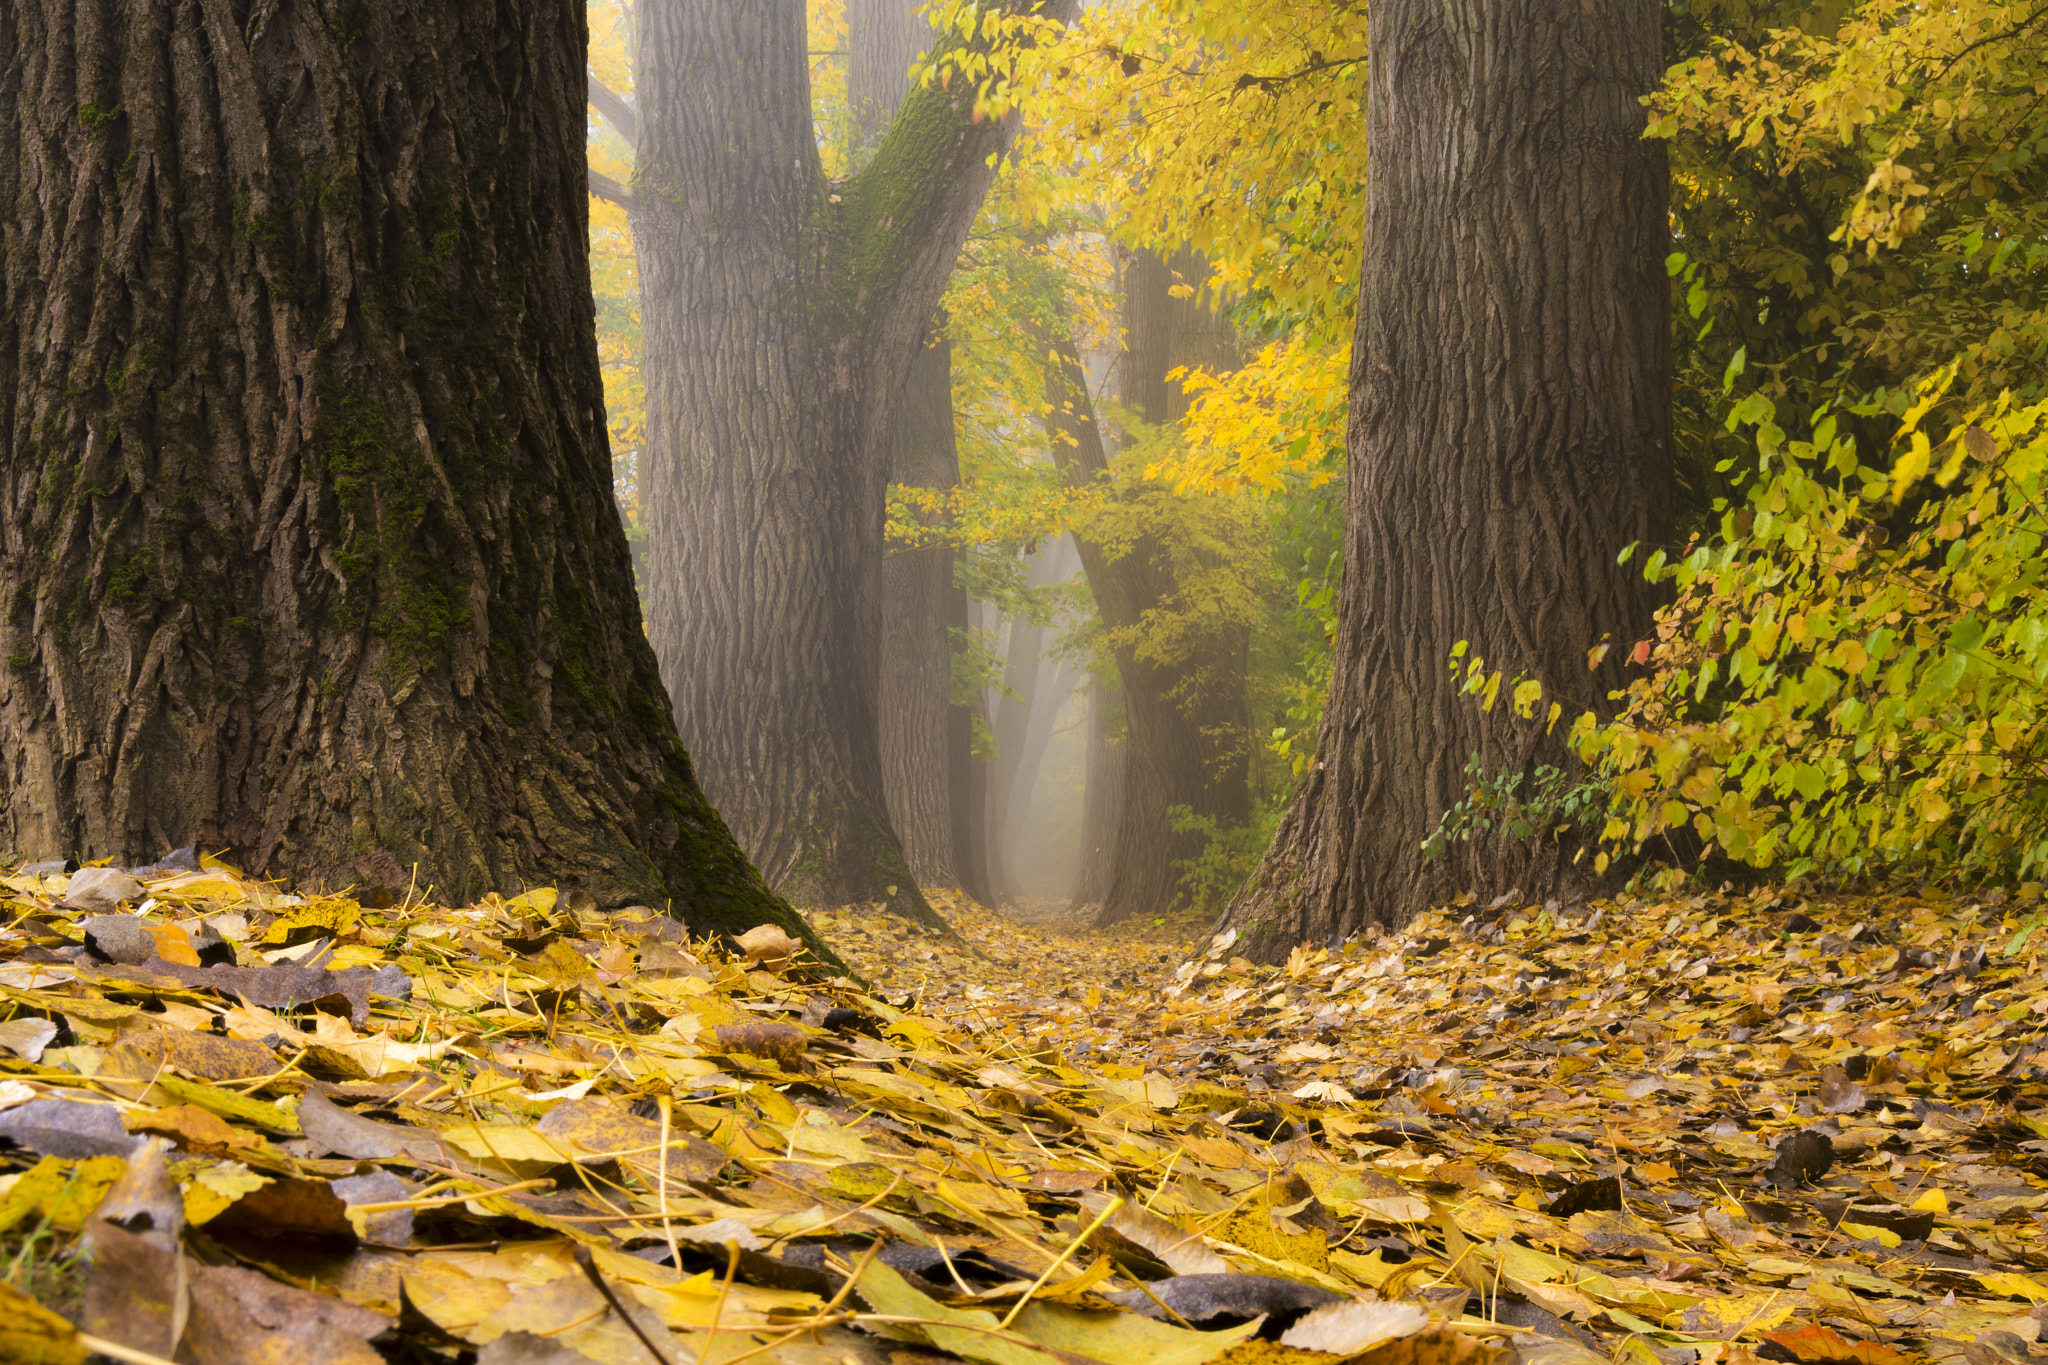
{"type": "Point", "coordinates": [911, 207]}
{"type": "Point", "coordinates": [606, 188]}
{"type": "Point", "coordinates": [617, 112]}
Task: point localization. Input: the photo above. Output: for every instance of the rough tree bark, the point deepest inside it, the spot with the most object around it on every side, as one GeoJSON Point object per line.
{"type": "Point", "coordinates": [918, 604]}
{"type": "Point", "coordinates": [307, 541]}
{"type": "Point", "coordinates": [1510, 432]}
{"type": "Point", "coordinates": [781, 315]}
{"type": "Point", "coordinates": [919, 731]}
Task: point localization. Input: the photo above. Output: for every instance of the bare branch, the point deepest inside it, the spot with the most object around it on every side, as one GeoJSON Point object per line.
{"type": "Point", "coordinates": [616, 110]}
{"type": "Point", "coordinates": [604, 187]}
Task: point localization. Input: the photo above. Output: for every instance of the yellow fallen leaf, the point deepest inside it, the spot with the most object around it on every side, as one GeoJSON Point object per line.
{"type": "Point", "coordinates": [2013, 1286]}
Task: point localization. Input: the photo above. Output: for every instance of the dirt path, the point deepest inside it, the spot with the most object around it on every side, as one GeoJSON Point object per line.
{"type": "Point", "coordinates": [1029, 956]}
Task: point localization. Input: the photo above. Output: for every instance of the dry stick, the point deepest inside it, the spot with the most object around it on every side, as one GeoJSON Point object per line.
{"type": "Point", "coordinates": [584, 1176]}
{"type": "Point", "coordinates": [1164, 1307]}
{"type": "Point", "coordinates": [437, 1201]}
{"type": "Point", "coordinates": [1111, 1207]}
{"type": "Point", "coordinates": [732, 1268]}
{"type": "Point", "coordinates": [824, 1317]}
{"type": "Point", "coordinates": [582, 1257]}
{"type": "Point", "coordinates": [113, 1350]}
{"type": "Point", "coordinates": [668, 1228]}
{"type": "Point", "coordinates": [950, 1268]}
{"type": "Point", "coordinates": [1160, 1188]}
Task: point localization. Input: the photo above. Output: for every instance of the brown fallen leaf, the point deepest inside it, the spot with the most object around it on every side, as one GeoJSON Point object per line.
{"type": "Point", "coordinates": [240, 1317]}
{"type": "Point", "coordinates": [194, 1128]}
{"type": "Point", "coordinates": [784, 1043]}
{"type": "Point", "coordinates": [1130, 1229]}
{"type": "Point", "coordinates": [287, 1208]}
{"type": "Point", "coordinates": [136, 1291]}
{"type": "Point", "coordinates": [598, 1130]}
{"type": "Point", "coordinates": [768, 946]}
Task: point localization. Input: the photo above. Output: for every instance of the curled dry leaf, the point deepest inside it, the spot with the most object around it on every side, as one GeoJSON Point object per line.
{"type": "Point", "coordinates": [1351, 1328]}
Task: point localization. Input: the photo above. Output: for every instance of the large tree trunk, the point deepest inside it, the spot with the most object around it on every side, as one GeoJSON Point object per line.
{"type": "Point", "coordinates": [1510, 432]}
{"type": "Point", "coordinates": [1102, 802]}
{"type": "Point", "coordinates": [919, 732]}
{"type": "Point", "coordinates": [1187, 721]}
{"type": "Point", "coordinates": [781, 315]}
{"type": "Point", "coordinates": [307, 542]}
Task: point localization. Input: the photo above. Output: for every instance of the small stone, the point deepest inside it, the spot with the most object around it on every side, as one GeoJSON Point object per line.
{"type": "Point", "coordinates": [100, 889]}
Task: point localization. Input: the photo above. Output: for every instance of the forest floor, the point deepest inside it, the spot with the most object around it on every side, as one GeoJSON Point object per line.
{"type": "Point", "coordinates": [239, 1126]}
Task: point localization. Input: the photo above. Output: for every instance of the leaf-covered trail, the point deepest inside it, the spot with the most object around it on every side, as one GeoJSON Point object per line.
{"type": "Point", "coordinates": [525, 1130]}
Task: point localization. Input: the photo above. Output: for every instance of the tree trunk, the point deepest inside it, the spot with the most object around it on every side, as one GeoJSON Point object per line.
{"type": "Point", "coordinates": [308, 543]}
{"type": "Point", "coordinates": [1102, 803]}
{"type": "Point", "coordinates": [967, 773]}
{"type": "Point", "coordinates": [1187, 721]}
{"type": "Point", "coordinates": [1162, 333]}
{"type": "Point", "coordinates": [781, 315]}
{"type": "Point", "coordinates": [1510, 426]}
{"type": "Point", "coordinates": [883, 38]}
{"type": "Point", "coordinates": [918, 728]}
{"type": "Point", "coordinates": [918, 731]}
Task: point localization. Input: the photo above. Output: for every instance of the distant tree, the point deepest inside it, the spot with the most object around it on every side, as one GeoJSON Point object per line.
{"type": "Point", "coordinates": [1510, 433]}
{"type": "Point", "coordinates": [1183, 742]}
{"type": "Point", "coordinates": [1186, 722]}
{"type": "Point", "coordinates": [782, 313]}
{"type": "Point", "coordinates": [308, 547]}
{"type": "Point", "coordinates": [928, 771]}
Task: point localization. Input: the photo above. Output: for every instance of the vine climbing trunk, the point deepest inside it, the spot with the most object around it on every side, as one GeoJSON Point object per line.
{"type": "Point", "coordinates": [307, 542]}
{"type": "Point", "coordinates": [1509, 434]}
{"type": "Point", "coordinates": [781, 314]}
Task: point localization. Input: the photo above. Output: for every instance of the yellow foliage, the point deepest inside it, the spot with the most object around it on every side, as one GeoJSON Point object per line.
{"type": "Point", "coordinates": [1281, 414]}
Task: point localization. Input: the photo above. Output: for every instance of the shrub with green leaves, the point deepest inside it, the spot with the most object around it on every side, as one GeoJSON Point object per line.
{"type": "Point", "coordinates": [1852, 673]}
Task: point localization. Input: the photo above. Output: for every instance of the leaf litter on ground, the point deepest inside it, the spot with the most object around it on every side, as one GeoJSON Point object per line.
{"type": "Point", "coordinates": [239, 1125]}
